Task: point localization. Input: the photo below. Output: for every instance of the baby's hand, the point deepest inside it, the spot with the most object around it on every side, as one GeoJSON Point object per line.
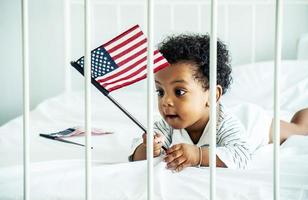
{"type": "Point", "coordinates": [182, 155]}
{"type": "Point", "coordinates": [157, 143]}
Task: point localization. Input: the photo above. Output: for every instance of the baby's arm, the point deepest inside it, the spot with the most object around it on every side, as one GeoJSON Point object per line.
{"type": "Point", "coordinates": [232, 146]}
{"type": "Point", "coordinates": [183, 155]}
{"type": "Point", "coordinates": [232, 150]}
{"type": "Point", "coordinates": [140, 152]}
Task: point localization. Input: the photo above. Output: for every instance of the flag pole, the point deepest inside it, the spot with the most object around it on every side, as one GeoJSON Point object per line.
{"type": "Point", "coordinates": [106, 93]}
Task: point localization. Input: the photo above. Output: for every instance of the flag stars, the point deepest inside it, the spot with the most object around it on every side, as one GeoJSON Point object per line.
{"type": "Point", "coordinates": [100, 64]}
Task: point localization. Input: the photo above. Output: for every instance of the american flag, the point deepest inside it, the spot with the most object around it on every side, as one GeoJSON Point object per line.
{"type": "Point", "coordinates": [123, 60]}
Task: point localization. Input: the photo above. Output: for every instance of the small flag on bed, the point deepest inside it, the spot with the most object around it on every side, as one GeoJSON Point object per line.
{"type": "Point", "coordinates": [122, 61]}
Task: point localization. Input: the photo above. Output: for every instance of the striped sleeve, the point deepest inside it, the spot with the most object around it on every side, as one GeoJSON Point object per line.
{"type": "Point", "coordinates": [161, 127]}
{"type": "Point", "coordinates": [232, 147]}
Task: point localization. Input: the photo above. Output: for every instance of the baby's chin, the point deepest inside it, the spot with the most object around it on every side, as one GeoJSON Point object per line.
{"type": "Point", "coordinates": [175, 125]}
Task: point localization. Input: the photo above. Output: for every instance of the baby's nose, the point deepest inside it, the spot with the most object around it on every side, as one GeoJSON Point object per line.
{"type": "Point", "coordinates": [167, 101]}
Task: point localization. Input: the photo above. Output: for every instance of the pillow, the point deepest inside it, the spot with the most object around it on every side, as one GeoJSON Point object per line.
{"type": "Point", "coordinates": [254, 83]}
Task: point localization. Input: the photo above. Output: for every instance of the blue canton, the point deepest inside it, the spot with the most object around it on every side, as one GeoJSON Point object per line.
{"type": "Point", "coordinates": [101, 62]}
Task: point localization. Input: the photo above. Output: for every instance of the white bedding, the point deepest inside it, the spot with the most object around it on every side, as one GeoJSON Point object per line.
{"type": "Point", "coordinates": [57, 169]}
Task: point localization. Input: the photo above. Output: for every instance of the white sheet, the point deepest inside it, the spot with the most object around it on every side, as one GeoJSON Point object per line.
{"type": "Point", "coordinates": [57, 169]}
{"type": "Point", "coordinates": [65, 179]}
{"type": "Point", "coordinates": [66, 111]}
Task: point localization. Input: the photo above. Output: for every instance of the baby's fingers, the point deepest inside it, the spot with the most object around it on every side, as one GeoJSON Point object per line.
{"type": "Point", "coordinates": [157, 149]}
{"type": "Point", "coordinates": [157, 146]}
{"type": "Point", "coordinates": [180, 167]}
{"type": "Point", "coordinates": [144, 137]}
{"type": "Point", "coordinates": [158, 138]}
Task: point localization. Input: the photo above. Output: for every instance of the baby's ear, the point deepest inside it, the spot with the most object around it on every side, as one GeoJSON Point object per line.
{"type": "Point", "coordinates": [207, 104]}
{"type": "Point", "coordinates": [218, 92]}
{"type": "Point", "coordinates": [218, 95]}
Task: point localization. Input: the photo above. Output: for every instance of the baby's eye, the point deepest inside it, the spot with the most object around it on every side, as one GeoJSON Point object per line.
{"type": "Point", "coordinates": [160, 92]}
{"type": "Point", "coordinates": [179, 92]}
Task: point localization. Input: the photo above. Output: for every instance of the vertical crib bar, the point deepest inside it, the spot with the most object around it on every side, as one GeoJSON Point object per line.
{"type": "Point", "coordinates": [213, 74]}
{"type": "Point", "coordinates": [67, 45]}
{"type": "Point", "coordinates": [276, 139]}
{"type": "Point", "coordinates": [26, 105]}
{"type": "Point", "coordinates": [150, 171]}
{"type": "Point", "coordinates": [87, 83]}
{"type": "Point", "coordinates": [253, 33]}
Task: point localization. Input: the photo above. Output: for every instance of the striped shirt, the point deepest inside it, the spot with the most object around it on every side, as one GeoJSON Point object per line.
{"type": "Point", "coordinates": [232, 147]}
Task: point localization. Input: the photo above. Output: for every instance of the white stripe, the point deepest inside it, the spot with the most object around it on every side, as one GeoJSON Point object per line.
{"type": "Point", "coordinates": [130, 53]}
{"type": "Point", "coordinates": [142, 73]}
{"type": "Point", "coordinates": [157, 64]}
{"type": "Point", "coordinates": [128, 64]}
{"type": "Point", "coordinates": [119, 41]}
{"type": "Point", "coordinates": [133, 78]}
{"type": "Point", "coordinates": [134, 51]}
{"type": "Point", "coordinates": [125, 66]}
{"type": "Point", "coordinates": [128, 45]}
{"type": "Point", "coordinates": [132, 70]}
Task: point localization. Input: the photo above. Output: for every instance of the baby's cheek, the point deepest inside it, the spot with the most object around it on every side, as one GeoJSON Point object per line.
{"type": "Point", "coordinates": [159, 105]}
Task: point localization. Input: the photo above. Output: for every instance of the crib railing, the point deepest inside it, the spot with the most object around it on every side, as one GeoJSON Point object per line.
{"type": "Point", "coordinates": [150, 81]}
{"type": "Point", "coordinates": [26, 105]}
{"type": "Point", "coordinates": [213, 81]}
{"type": "Point", "coordinates": [276, 128]}
{"type": "Point", "coordinates": [213, 68]}
{"type": "Point", "coordinates": [87, 83]}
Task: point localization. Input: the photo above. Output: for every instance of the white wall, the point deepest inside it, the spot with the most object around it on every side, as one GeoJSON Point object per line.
{"type": "Point", "coordinates": [246, 25]}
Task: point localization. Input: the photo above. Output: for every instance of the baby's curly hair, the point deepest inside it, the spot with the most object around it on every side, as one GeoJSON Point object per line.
{"type": "Point", "coordinates": [195, 48]}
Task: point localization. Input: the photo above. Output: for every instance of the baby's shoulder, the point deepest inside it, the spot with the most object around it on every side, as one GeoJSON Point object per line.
{"type": "Point", "coordinates": [227, 120]}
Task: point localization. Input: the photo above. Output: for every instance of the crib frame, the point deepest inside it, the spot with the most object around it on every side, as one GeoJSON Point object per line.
{"type": "Point", "coordinates": [87, 83]}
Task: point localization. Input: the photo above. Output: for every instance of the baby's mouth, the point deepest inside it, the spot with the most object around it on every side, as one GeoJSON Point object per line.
{"type": "Point", "coordinates": [171, 116]}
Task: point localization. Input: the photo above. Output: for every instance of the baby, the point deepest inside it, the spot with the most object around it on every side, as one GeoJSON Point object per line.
{"type": "Point", "coordinates": [183, 102]}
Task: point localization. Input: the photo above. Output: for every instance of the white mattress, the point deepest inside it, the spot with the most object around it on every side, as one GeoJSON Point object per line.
{"type": "Point", "coordinates": [57, 169]}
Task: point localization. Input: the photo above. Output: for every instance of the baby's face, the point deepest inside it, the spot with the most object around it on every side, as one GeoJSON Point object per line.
{"type": "Point", "coordinates": [181, 98]}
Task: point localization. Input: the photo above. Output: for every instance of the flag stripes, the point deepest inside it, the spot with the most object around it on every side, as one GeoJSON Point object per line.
{"type": "Point", "coordinates": [123, 60]}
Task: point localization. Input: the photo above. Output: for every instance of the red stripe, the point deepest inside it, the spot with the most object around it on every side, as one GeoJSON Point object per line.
{"type": "Point", "coordinates": [126, 83]}
{"type": "Point", "coordinates": [121, 35]}
{"type": "Point", "coordinates": [158, 59]}
{"type": "Point", "coordinates": [138, 54]}
{"type": "Point", "coordinates": [166, 64]}
{"type": "Point", "coordinates": [132, 57]}
{"type": "Point", "coordinates": [122, 71]}
{"type": "Point", "coordinates": [129, 49]}
{"type": "Point", "coordinates": [125, 42]}
{"type": "Point", "coordinates": [135, 73]}
{"type": "Point", "coordinates": [128, 68]}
